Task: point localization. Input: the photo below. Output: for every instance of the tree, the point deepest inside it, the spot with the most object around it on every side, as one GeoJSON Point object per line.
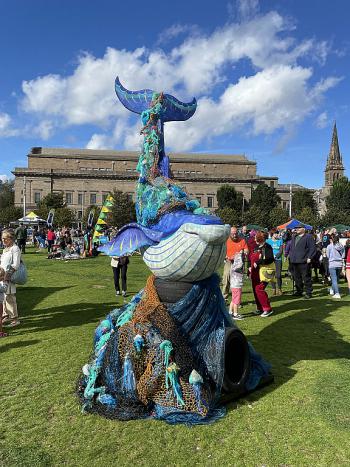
{"type": "Point", "coordinates": [335, 216]}
{"type": "Point", "coordinates": [10, 214]}
{"type": "Point", "coordinates": [7, 194]}
{"type": "Point", "coordinates": [255, 215]}
{"type": "Point", "coordinates": [123, 210]}
{"type": "Point", "coordinates": [228, 197]}
{"type": "Point", "coordinates": [50, 201]}
{"type": "Point", "coordinates": [339, 196]}
{"type": "Point", "coordinates": [303, 199]}
{"type": "Point", "coordinates": [278, 216]}
{"type": "Point", "coordinates": [308, 216]}
{"type": "Point", "coordinates": [229, 216]}
{"type": "Point", "coordinates": [64, 217]}
{"type": "Point", "coordinates": [265, 198]}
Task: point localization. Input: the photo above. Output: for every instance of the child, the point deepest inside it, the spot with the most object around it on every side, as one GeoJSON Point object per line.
{"type": "Point", "coordinates": [3, 288]}
{"type": "Point", "coordinates": [236, 283]}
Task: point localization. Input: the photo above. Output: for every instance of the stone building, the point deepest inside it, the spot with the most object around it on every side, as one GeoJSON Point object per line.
{"type": "Point", "coordinates": [87, 176]}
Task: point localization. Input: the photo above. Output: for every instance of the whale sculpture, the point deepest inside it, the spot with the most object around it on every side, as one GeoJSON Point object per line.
{"type": "Point", "coordinates": [166, 358]}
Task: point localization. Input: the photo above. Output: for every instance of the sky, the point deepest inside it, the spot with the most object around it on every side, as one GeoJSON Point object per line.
{"type": "Point", "coordinates": [270, 78]}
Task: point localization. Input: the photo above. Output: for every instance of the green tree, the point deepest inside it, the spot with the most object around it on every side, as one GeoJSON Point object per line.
{"type": "Point", "coordinates": [229, 216]}
{"type": "Point", "coordinates": [10, 214]}
{"type": "Point", "coordinates": [7, 194]}
{"type": "Point", "coordinates": [335, 216]}
{"type": "Point", "coordinates": [255, 215]}
{"type": "Point", "coordinates": [64, 217]}
{"type": "Point", "coordinates": [303, 199]}
{"type": "Point", "coordinates": [339, 196]}
{"type": "Point", "coordinates": [50, 201]}
{"type": "Point", "coordinates": [123, 210]}
{"type": "Point", "coordinates": [308, 216]}
{"type": "Point", "coordinates": [265, 198]}
{"type": "Point", "coordinates": [278, 216]}
{"type": "Point", "coordinates": [228, 197]}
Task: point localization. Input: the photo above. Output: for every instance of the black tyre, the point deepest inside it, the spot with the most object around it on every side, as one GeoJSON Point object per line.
{"type": "Point", "coordinates": [237, 362]}
{"type": "Point", "coordinates": [171, 292]}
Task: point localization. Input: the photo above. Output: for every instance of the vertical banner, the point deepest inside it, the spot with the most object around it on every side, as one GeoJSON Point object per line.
{"type": "Point", "coordinates": [50, 218]}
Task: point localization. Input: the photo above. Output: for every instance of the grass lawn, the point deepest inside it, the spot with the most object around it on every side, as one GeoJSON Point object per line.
{"type": "Point", "coordinates": [301, 419]}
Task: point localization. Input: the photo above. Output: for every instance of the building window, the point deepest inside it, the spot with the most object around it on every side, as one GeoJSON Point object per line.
{"type": "Point", "coordinates": [210, 201]}
{"type": "Point", "coordinates": [104, 197]}
{"type": "Point", "coordinates": [37, 197]}
{"type": "Point", "coordinates": [284, 204]}
{"type": "Point", "coordinates": [272, 184]}
{"type": "Point", "coordinates": [69, 198]}
{"type": "Point", "coordinates": [199, 198]}
{"type": "Point", "coordinates": [93, 198]}
{"type": "Point", "coordinates": [80, 199]}
{"type": "Point", "coordinates": [80, 214]}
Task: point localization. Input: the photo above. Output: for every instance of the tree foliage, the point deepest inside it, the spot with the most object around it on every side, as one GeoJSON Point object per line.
{"type": "Point", "coordinates": [302, 199]}
{"type": "Point", "coordinates": [255, 215]}
{"type": "Point", "coordinates": [50, 201]}
{"type": "Point", "coordinates": [228, 197]}
{"type": "Point", "coordinates": [7, 194]}
{"type": "Point", "coordinates": [64, 217]}
{"type": "Point", "coordinates": [229, 215]}
{"type": "Point", "coordinates": [277, 216]}
{"type": "Point", "coordinates": [339, 196]}
{"type": "Point", "coordinates": [265, 198]}
{"type": "Point", "coordinates": [10, 214]}
{"type": "Point", "coordinates": [335, 216]}
{"type": "Point", "coordinates": [308, 216]}
{"type": "Point", "coordinates": [123, 210]}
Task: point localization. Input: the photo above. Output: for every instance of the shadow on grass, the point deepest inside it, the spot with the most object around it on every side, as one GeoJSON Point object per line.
{"type": "Point", "coordinates": [18, 344]}
{"type": "Point", "coordinates": [304, 335]}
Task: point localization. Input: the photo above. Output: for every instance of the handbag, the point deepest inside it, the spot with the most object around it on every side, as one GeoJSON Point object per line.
{"type": "Point", "coordinates": [267, 273]}
{"type": "Point", "coordinates": [20, 276]}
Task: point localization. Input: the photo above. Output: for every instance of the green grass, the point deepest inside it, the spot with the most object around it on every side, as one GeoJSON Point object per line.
{"type": "Point", "coordinates": [301, 419]}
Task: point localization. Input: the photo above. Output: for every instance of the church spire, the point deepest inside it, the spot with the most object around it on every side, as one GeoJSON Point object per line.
{"type": "Point", "coordinates": [334, 168]}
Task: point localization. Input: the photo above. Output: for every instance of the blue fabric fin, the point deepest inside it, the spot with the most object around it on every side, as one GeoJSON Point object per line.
{"type": "Point", "coordinates": [130, 238]}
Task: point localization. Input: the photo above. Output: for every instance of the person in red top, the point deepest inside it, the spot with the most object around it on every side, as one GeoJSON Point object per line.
{"type": "Point", "coordinates": [234, 245]}
{"type": "Point", "coordinates": [51, 237]}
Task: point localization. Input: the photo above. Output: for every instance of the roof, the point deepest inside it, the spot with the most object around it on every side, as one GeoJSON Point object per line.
{"type": "Point", "coordinates": [134, 155]}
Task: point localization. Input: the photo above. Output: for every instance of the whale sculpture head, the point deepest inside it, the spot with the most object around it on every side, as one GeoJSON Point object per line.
{"type": "Point", "coordinates": [179, 240]}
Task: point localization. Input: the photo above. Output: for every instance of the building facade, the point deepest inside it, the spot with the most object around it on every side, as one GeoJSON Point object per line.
{"type": "Point", "coordinates": [87, 176]}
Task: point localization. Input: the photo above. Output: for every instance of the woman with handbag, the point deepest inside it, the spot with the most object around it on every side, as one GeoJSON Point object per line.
{"type": "Point", "coordinates": [262, 271]}
{"type": "Point", "coordinates": [10, 262]}
{"type": "Point", "coordinates": [120, 267]}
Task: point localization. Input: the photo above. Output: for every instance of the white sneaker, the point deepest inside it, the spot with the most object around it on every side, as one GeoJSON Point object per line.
{"type": "Point", "coordinates": [331, 291]}
{"type": "Point", "coordinates": [336, 295]}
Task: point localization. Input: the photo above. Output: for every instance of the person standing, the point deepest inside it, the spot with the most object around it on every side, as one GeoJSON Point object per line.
{"type": "Point", "coordinates": [276, 243]}
{"type": "Point", "coordinates": [21, 237]}
{"type": "Point", "coordinates": [302, 250]}
{"type": "Point", "coordinates": [234, 245]}
{"type": "Point", "coordinates": [236, 284]}
{"type": "Point", "coordinates": [262, 255]}
{"type": "Point", "coordinates": [335, 255]}
{"type": "Point", "coordinates": [51, 237]}
{"type": "Point", "coordinates": [347, 261]}
{"type": "Point", "coordinates": [10, 261]}
{"type": "Point", "coordinates": [120, 267]}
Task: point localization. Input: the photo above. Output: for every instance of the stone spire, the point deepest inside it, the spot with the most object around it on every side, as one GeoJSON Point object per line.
{"type": "Point", "coordinates": [334, 168]}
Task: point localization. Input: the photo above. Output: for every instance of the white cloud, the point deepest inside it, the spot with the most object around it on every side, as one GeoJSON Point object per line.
{"type": "Point", "coordinates": [6, 128]}
{"type": "Point", "coordinates": [276, 94]}
{"type": "Point", "coordinates": [322, 120]}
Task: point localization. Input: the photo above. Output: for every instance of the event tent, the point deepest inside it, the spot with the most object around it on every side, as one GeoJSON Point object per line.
{"type": "Point", "coordinates": [31, 219]}
{"type": "Point", "coordinates": [339, 227]}
{"type": "Point", "coordinates": [292, 224]}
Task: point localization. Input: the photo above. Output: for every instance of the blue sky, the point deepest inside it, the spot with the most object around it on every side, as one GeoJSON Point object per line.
{"type": "Point", "coordinates": [270, 77]}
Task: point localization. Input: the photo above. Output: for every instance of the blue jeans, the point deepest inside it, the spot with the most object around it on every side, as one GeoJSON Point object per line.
{"type": "Point", "coordinates": [335, 273]}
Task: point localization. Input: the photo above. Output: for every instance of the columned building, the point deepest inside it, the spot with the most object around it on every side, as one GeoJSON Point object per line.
{"type": "Point", "coordinates": [87, 176]}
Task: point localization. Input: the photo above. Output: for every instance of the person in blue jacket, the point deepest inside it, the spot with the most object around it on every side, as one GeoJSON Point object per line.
{"type": "Point", "coordinates": [276, 243]}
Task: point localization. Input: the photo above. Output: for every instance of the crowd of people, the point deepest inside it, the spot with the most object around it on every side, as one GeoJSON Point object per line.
{"type": "Point", "coordinates": [260, 256]}
{"type": "Point", "coordinates": [257, 255]}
